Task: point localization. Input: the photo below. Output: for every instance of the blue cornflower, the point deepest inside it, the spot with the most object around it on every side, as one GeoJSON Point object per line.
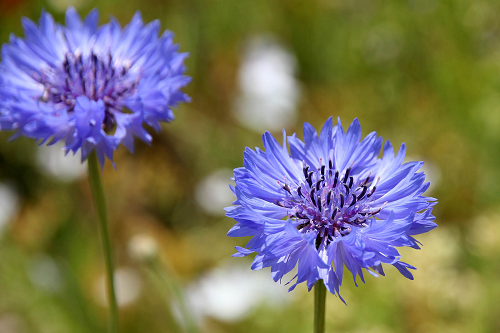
{"type": "Point", "coordinates": [329, 203]}
{"type": "Point", "coordinates": [92, 86]}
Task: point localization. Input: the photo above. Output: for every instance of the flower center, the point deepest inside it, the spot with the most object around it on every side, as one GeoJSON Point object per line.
{"type": "Point", "coordinates": [94, 76]}
{"type": "Point", "coordinates": [329, 203]}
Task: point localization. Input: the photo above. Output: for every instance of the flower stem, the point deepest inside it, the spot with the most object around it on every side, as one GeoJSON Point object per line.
{"type": "Point", "coordinates": [319, 307]}
{"type": "Point", "coordinates": [100, 205]}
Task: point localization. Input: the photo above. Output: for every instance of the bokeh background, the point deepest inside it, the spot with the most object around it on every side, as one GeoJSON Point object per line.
{"type": "Point", "coordinates": [426, 72]}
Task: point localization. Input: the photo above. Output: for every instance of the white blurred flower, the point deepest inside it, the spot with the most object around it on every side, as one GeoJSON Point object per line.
{"type": "Point", "coordinates": [128, 287]}
{"type": "Point", "coordinates": [55, 163]}
{"type": "Point", "coordinates": [212, 193]}
{"type": "Point", "coordinates": [230, 292]}
{"type": "Point", "coordinates": [142, 248]}
{"type": "Point", "coordinates": [269, 90]}
{"type": "Point", "coordinates": [44, 272]}
{"type": "Point", "coordinates": [9, 204]}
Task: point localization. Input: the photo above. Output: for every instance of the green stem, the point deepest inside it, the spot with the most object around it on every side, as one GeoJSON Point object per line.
{"type": "Point", "coordinates": [100, 205]}
{"type": "Point", "coordinates": [319, 307]}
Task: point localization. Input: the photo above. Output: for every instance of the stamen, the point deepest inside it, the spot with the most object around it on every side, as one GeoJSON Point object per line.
{"type": "Point", "coordinates": [309, 178]}
{"type": "Point", "coordinates": [88, 76]}
{"type": "Point", "coordinates": [363, 192]}
{"type": "Point", "coordinates": [353, 201]}
{"type": "Point", "coordinates": [345, 212]}
{"type": "Point", "coordinates": [305, 169]}
{"type": "Point", "coordinates": [301, 216]}
{"type": "Point", "coordinates": [372, 191]}
{"type": "Point", "coordinates": [334, 213]}
{"type": "Point", "coordinates": [346, 175]}
{"type": "Point", "coordinates": [318, 184]}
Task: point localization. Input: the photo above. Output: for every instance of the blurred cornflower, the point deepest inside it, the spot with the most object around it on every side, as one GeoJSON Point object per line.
{"type": "Point", "coordinates": [330, 202]}
{"type": "Point", "coordinates": [92, 86]}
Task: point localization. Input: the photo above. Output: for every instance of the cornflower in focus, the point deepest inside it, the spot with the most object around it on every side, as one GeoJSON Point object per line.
{"type": "Point", "coordinates": [329, 203]}
{"type": "Point", "coordinates": [93, 87]}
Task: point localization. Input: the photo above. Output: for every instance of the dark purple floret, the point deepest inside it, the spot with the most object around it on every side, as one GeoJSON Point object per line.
{"type": "Point", "coordinates": [327, 197]}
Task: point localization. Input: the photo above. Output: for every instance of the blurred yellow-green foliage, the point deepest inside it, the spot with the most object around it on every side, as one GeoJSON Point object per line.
{"type": "Point", "coordinates": [426, 72]}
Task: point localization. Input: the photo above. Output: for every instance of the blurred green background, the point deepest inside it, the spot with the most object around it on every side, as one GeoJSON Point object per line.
{"type": "Point", "coordinates": [426, 72]}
